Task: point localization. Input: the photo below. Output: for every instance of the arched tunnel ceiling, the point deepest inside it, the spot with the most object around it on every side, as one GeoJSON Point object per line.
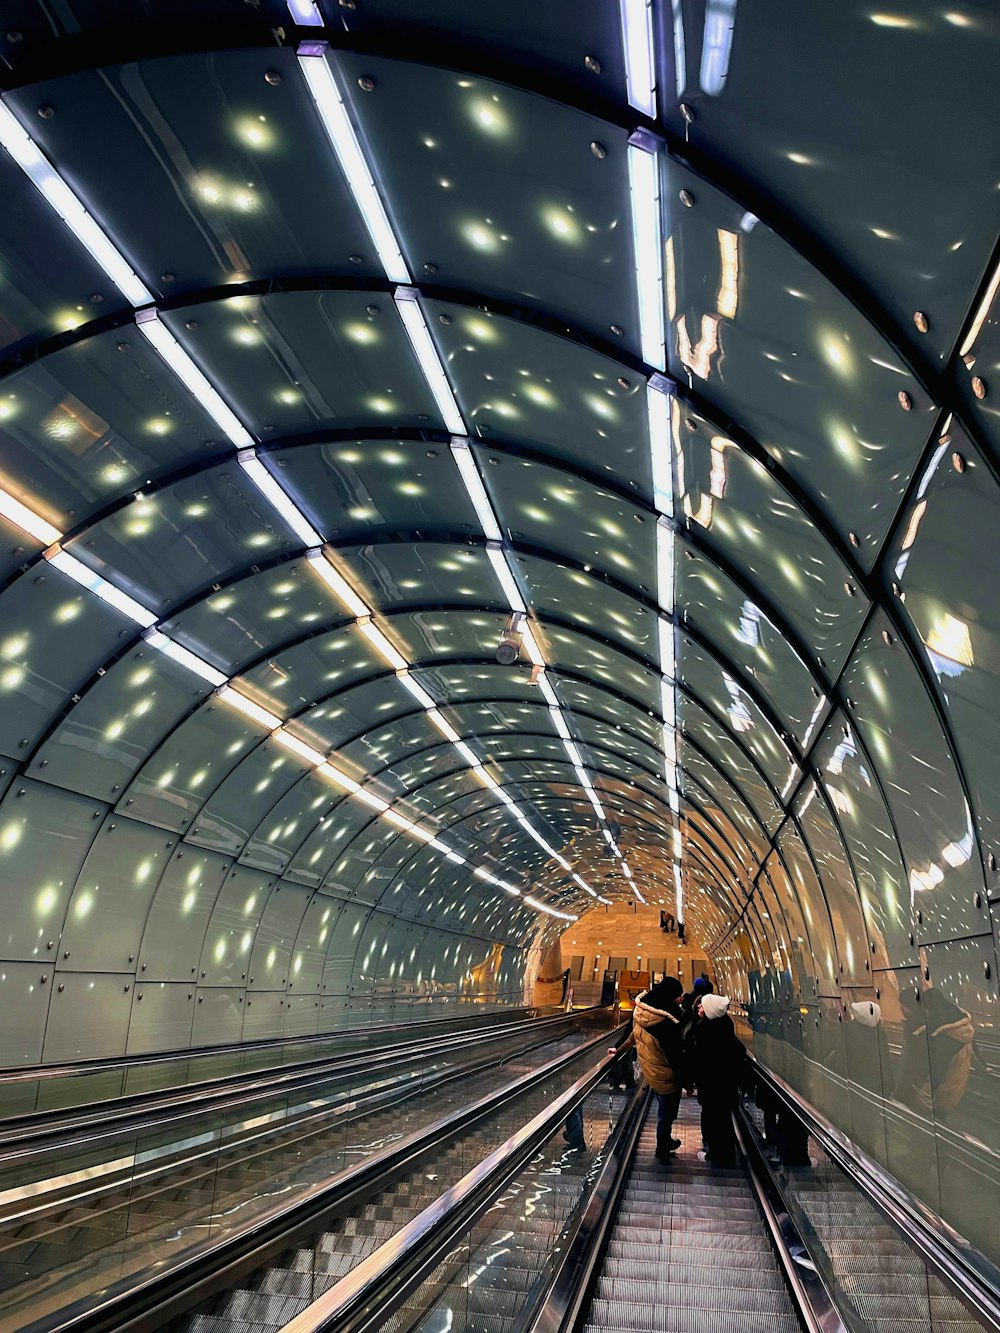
{"type": "Point", "coordinates": [386, 321]}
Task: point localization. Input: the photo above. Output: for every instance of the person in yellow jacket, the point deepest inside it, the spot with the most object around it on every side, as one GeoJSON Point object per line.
{"type": "Point", "coordinates": [658, 1037]}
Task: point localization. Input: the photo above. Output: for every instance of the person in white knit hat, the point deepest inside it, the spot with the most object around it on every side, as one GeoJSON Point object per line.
{"type": "Point", "coordinates": [717, 1061]}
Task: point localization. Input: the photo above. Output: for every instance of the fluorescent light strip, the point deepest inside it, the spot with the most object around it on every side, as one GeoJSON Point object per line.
{"type": "Point", "coordinates": [273, 492]}
{"type": "Point", "coordinates": [80, 573]}
{"type": "Point", "coordinates": [559, 722]}
{"type": "Point", "coordinates": [418, 692]}
{"type": "Point", "coordinates": [27, 520]}
{"type": "Point", "coordinates": [647, 237]}
{"type": "Point", "coordinates": [549, 911]}
{"type": "Point", "coordinates": [194, 380]}
{"type": "Point", "coordinates": [344, 140]}
{"type": "Point", "coordinates": [185, 658]}
{"type": "Point", "coordinates": [58, 195]}
{"type": "Point", "coordinates": [249, 709]}
{"type": "Point", "coordinates": [658, 408]}
{"type": "Point", "coordinates": [473, 483]}
{"type": "Point", "coordinates": [637, 40]}
{"type": "Point", "coordinates": [382, 646]}
{"type": "Point", "coordinates": [574, 754]}
{"type": "Point", "coordinates": [305, 13]}
{"type": "Point", "coordinates": [298, 747]}
{"type": "Point", "coordinates": [530, 645]}
{"type": "Point", "coordinates": [341, 779]}
{"type": "Point", "coordinates": [438, 720]}
{"type": "Point", "coordinates": [471, 759]}
{"type": "Point", "coordinates": [548, 693]}
{"type": "Point", "coordinates": [584, 885]}
{"type": "Point", "coordinates": [408, 304]}
{"type": "Point", "coordinates": [369, 798]}
{"type": "Point", "coordinates": [664, 566]}
{"type": "Point", "coordinates": [338, 585]}
{"type": "Point", "coordinates": [505, 577]}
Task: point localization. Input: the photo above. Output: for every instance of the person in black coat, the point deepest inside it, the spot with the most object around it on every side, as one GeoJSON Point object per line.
{"type": "Point", "coordinates": [718, 1059]}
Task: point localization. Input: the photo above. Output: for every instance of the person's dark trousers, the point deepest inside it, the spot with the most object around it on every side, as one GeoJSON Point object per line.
{"type": "Point", "coordinates": [623, 1071]}
{"type": "Point", "coordinates": [667, 1106]}
{"type": "Point", "coordinates": [717, 1130]}
{"type": "Point", "coordinates": [573, 1131]}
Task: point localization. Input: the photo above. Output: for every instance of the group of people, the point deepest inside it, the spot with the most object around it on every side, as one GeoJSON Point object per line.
{"type": "Point", "coordinates": [687, 1043]}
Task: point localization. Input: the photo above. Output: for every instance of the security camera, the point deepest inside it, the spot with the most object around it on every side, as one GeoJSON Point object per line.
{"type": "Point", "coordinates": [509, 647]}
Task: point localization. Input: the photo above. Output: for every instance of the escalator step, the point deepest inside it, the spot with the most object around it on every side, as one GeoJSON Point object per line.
{"type": "Point", "coordinates": [633, 1318]}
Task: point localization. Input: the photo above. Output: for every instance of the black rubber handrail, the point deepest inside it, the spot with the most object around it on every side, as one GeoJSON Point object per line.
{"type": "Point", "coordinates": [14, 1074]}
{"type": "Point", "coordinates": [219, 1092]}
{"type": "Point", "coordinates": [362, 1301]}
{"type": "Point", "coordinates": [160, 1113]}
{"type": "Point", "coordinates": [145, 1305]}
{"type": "Point", "coordinates": [938, 1246]}
{"type": "Point", "coordinates": [36, 1206]}
{"type": "Point", "coordinates": [564, 1297]}
{"type": "Point", "coordinates": [813, 1303]}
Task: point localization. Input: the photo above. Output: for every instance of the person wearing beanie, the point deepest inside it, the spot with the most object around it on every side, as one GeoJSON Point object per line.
{"type": "Point", "coordinates": [657, 1035]}
{"type": "Point", "coordinates": [717, 1062]}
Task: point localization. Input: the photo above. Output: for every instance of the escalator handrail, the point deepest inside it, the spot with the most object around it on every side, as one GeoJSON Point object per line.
{"type": "Point", "coordinates": [937, 1244]}
{"type": "Point", "coordinates": [149, 1303]}
{"type": "Point", "coordinates": [41, 1202]}
{"type": "Point", "coordinates": [14, 1074]}
{"type": "Point", "coordinates": [25, 1135]}
{"type": "Point", "coordinates": [560, 1304]}
{"type": "Point", "coordinates": [814, 1305]}
{"type": "Point", "coordinates": [361, 1301]}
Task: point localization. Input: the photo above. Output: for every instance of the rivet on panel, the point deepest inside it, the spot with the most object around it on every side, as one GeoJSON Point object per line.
{"type": "Point", "coordinates": [920, 917]}
{"type": "Point", "coordinates": [65, 953]}
{"type": "Point", "coordinates": [854, 539]}
{"type": "Point", "coordinates": [46, 112]}
{"type": "Point", "coordinates": [878, 993]}
{"type": "Point", "coordinates": [958, 461]}
{"type": "Point", "coordinates": [687, 112]}
{"type": "Point", "coordinates": [921, 321]}
{"type": "Point", "coordinates": [444, 319]}
{"type": "Point", "coordinates": [599, 150]}
{"type": "Point", "coordinates": [126, 989]}
{"type": "Point", "coordinates": [44, 978]}
{"type": "Point", "coordinates": [50, 944]}
{"type": "Point", "coordinates": [593, 64]}
{"type": "Point", "coordinates": [686, 198]}
{"type": "Point", "coordinates": [272, 77]}
{"type": "Point", "coordinates": [355, 259]}
{"type": "Point", "coordinates": [904, 399]}
{"type": "Point", "coordinates": [887, 638]}
{"type": "Point", "coordinates": [430, 268]}
{"type": "Point", "coordinates": [986, 971]}
{"type": "Point", "coordinates": [617, 330]}
{"type": "Point", "coordinates": [911, 938]}
{"type": "Point", "coordinates": [366, 83]}
{"type": "Point", "coordinates": [927, 974]}
{"type": "Point", "coordinates": [61, 988]}
{"type": "Point", "coordinates": [168, 277]}
{"type": "Point", "coordinates": [978, 899]}
{"type": "Point", "coordinates": [623, 382]}
{"type": "Point", "coordinates": [979, 386]}
{"type": "Point", "coordinates": [991, 861]}
{"type": "Point", "coordinates": [850, 589]}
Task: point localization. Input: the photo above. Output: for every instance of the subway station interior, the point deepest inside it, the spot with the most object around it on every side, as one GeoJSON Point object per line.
{"type": "Point", "coordinates": [498, 508]}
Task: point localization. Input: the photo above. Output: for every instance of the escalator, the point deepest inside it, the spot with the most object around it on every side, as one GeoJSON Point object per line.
{"type": "Point", "coordinates": [187, 1177]}
{"type": "Point", "coordinates": [538, 1240]}
{"type": "Point", "coordinates": [690, 1251]}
